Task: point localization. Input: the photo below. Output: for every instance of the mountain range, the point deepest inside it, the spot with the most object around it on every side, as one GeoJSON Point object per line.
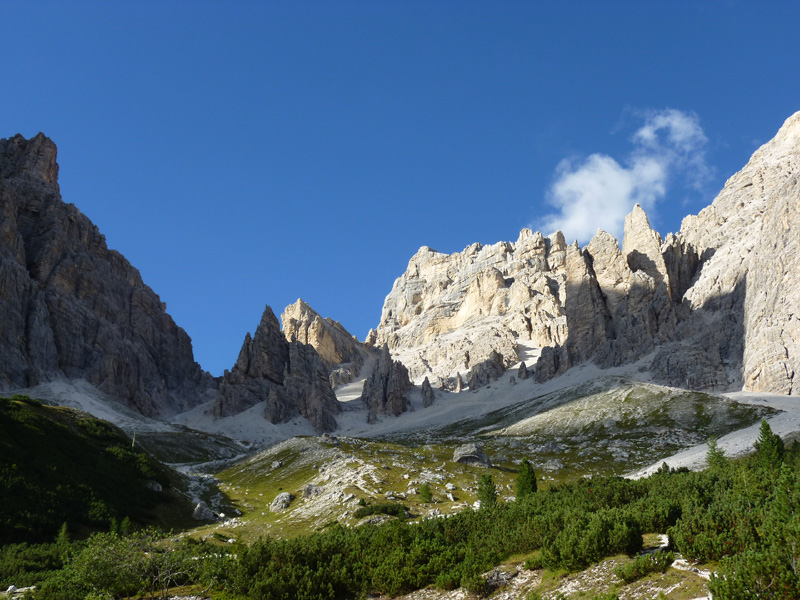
{"type": "Point", "coordinates": [714, 307]}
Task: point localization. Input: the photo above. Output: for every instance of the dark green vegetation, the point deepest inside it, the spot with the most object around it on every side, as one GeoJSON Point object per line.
{"type": "Point", "coordinates": [385, 508]}
{"type": "Point", "coordinates": [109, 565]}
{"type": "Point", "coordinates": [60, 465]}
{"type": "Point", "coordinates": [741, 515]}
{"type": "Point", "coordinates": [425, 494]}
{"type": "Point", "coordinates": [526, 480]}
{"type": "Point", "coordinates": [487, 492]}
{"type": "Point", "coordinates": [643, 565]}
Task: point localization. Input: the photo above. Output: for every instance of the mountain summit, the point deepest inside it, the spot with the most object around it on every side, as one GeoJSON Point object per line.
{"type": "Point", "coordinates": [712, 307]}
{"type": "Point", "coordinates": [715, 306]}
{"type": "Point", "coordinates": [74, 308]}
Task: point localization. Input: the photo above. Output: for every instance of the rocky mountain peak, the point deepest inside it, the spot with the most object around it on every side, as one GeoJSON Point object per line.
{"type": "Point", "coordinates": [642, 247]}
{"type": "Point", "coordinates": [334, 344]}
{"type": "Point", "coordinates": [73, 308]}
{"type": "Point", "coordinates": [341, 352]}
{"type": "Point", "coordinates": [289, 377]}
{"type": "Point", "coordinates": [264, 355]}
{"type": "Point", "coordinates": [714, 305]}
{"type": "Point", "coordinates": [33, 159]}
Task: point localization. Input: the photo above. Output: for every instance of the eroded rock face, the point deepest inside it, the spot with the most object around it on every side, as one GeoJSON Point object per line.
{"type": "Point", "coordinates": [484, 373]}
{"type": "Point", "coordinates": [748, 286]}
{"type": "Point", "coordinates": [341, 353]}
{"type": "Point", "coordinates": [448, 313]}
{"type": "Point", "coordinates": [427, 393]}
{"type": "Point", "coordinates": [714, 306]}
{"type": "Point", "coordinates": [308, 386]}
{"type": "Point", "coordinates": [290, 376]}
{"type": "Point", "coordinates": [74, 308]}
{"type": "Point", "coordinates": [385, 389]}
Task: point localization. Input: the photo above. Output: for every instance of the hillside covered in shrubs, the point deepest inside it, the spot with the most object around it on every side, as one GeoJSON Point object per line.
{"type": "Point", "coordinates": [59, 465]}
{"type": "Point", "coordinates": [741, 516]}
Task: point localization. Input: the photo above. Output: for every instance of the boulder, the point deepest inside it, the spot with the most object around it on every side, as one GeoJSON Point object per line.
{"type": "Point", "coordinates": [281, 502]}
{"type": "Point", "coordinates": [498, 578]}
{"type": "Point", "coordinates": [203, 513]}
{"type": "Point", "coordinates": [311, 491]}
{"type": "Point", "coordinates": [471, 454]}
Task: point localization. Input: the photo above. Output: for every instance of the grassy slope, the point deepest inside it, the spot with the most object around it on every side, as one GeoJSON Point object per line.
{"type": "Point", "coordinates": [352, 470]}
{"type": "Point", "coordinates": [602, 428]}
{"type": "Point", "coordinates": [61, 465]}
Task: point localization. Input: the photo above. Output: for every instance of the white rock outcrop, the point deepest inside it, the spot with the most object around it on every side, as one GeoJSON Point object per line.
{"type": "Point", "coordinates": [714, 306]}
{"type": "Point", "coordinates": [448, 313]}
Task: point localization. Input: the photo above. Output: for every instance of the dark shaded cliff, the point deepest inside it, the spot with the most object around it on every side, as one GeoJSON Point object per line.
{"type": "Point", "coordinates": [71, 307]}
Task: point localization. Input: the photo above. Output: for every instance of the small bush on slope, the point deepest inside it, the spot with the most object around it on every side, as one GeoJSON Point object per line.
{"type": "Point", "coordinates": [643, 565]}
{"type": "Point", "coordinates": [385, 508]}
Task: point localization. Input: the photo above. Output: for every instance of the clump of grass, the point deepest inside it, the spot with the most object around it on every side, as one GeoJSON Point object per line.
{"type": "Point", "coordinates": [534, 562]}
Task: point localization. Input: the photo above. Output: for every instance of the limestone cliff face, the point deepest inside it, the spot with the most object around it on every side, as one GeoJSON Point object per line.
{"type": "Point", "coordinates": [73, 308]}
{"type": "Point", "coordinates": [341, 353]}
{"type": "Point", "coordinates": [385, 389]}
{"type": "Point", "coordinates": [290, 376]}
{"type": "Point", "coordinates": [751, 237]}
{"type": "Point", "coordinates": [714, 306]}
{"type": "Point", "coordinates": [448, 313]}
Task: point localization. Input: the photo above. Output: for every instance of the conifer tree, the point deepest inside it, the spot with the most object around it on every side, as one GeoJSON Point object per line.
{"type": "Point", "coordinates": [487, 492]}
{"type": "Point", "coordinates": [715, 457]}
{"type": "Point", "coordinates": [425, 494]}
{"type": "Point", "coordinates": [63, 542]}
{"type": "Point", "coordinates": [526, 480]}
{"type": "Point", "coordinates": [769, 446]}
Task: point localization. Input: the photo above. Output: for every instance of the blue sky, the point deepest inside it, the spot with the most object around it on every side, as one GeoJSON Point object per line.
{"type": "Point", "coordinates": [249, 153]}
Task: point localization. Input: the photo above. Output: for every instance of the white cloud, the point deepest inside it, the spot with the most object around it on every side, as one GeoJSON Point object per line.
{"type": "Point", "coordinates": [598, 192]}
